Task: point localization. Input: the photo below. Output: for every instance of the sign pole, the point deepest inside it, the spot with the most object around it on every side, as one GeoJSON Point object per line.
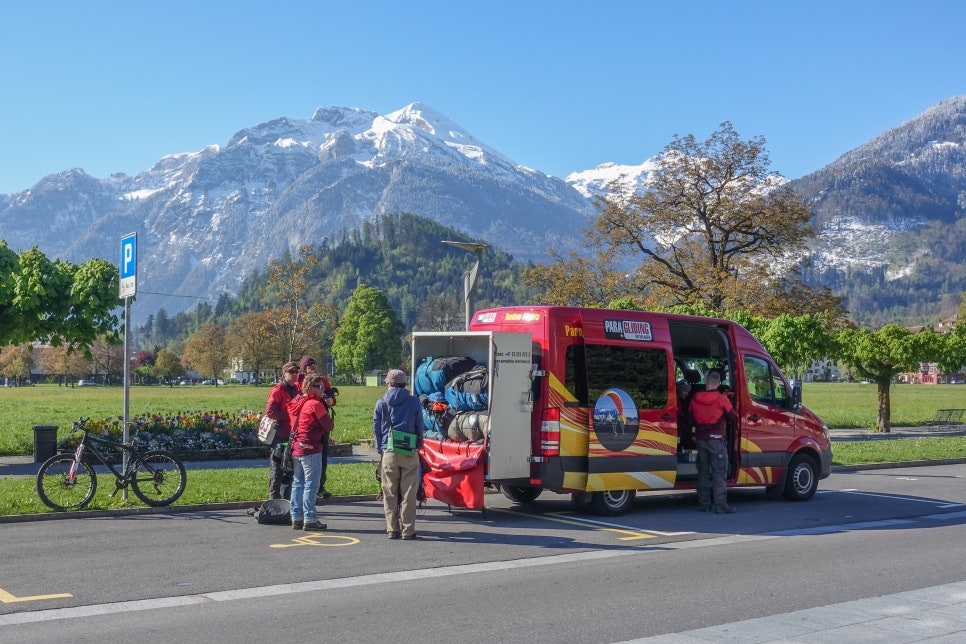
{"type": "Point", "coordinates": [127, 288]}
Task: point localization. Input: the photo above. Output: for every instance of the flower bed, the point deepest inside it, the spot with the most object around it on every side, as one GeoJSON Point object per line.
{"type": "Point", "coordinates": [187, 431]}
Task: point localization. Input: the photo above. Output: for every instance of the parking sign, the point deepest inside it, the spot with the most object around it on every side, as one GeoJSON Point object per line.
{"type": "Point", "coordinates": [128, 286]}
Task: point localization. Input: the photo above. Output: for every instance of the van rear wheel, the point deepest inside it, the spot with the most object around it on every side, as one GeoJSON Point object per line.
{"type": "Point", "coordinates": [801, 478]}
{"type": "Point", "coordinates": [520, 493]}
{"type": "Point", "coordinates": [612, 502]}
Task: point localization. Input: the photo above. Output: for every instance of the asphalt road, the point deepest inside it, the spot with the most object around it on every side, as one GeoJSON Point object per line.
{"type": "Point", "coordinates": [540, 573]}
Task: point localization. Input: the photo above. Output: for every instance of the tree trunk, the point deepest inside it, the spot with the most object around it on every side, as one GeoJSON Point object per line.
{"type": "Point", "coordinates": [884, 421]}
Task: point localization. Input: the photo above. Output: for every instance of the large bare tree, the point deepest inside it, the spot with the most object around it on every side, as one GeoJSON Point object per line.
{"type": "Point", "coordinates": [715, 228]}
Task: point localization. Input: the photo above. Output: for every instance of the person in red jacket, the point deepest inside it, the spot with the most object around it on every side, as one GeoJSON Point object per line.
{"type": "Point", "coordinates": [710, 412]}
{"type": "Point", "coordinates": [279, 479]}
{"type": "Point", "coordinates": [311, 424]}
{"type": "Point", "coordinates": [309, 366]}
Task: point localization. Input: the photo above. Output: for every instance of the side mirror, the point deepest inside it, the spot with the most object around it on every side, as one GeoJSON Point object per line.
{"type": "Point", "coordinates": [796, 396]}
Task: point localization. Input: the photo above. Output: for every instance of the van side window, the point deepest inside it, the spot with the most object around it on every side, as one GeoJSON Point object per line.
{"type": "Point", "coordinates": [641, 372]}
{"type": "Point", "coordinates": [575, 373]}
{"type": "Point", "coordinates": [764, 382]}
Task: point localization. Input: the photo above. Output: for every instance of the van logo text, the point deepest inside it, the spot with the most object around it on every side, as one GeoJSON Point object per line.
{"type": "Point", "coordinates": [628, 330]}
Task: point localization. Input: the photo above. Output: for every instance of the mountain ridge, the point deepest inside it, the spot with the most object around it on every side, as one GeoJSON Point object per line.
{"type": "Point", "coordinates": [888, 212]}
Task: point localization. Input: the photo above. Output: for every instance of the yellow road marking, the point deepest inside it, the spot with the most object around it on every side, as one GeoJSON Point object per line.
{"type": "Point", "coordinates": [631, 535]}
{"type": "Point", "coordinates": [314, 540]}
{"type": "Point", "coordinates": [7, 598]}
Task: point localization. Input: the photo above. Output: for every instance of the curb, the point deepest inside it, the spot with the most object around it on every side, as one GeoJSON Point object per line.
{"type": "Point", "coordinates": [170, 509]}
{"type": "Point", "coordinates": [353, 498]}
{"type": "Point", "coordinates": [897, 464]}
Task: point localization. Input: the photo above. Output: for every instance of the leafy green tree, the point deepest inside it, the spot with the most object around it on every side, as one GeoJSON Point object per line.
{"type": "Point", "coordinates": [796, 341]}
{"type": "Point", "coordinates": [167, 366]}
{"type": "Point", "coordinates": [207, 351]}
{"type": "Point", "coordinates": [879, 356]}
{"type": "Point", "coordinates": [370, 333]}
{"type": "Point", "coordinates": [55, 302]}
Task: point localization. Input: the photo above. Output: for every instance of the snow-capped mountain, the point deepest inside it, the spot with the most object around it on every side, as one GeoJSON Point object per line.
{"type": "Point", "coordinates": [890, 213]}
{"type": "Point", "coordinates": [891, 216]}
{"type": "Point", "coordinates": [206, 219]}
{"type": "Point", "coordinates": [632, 178]}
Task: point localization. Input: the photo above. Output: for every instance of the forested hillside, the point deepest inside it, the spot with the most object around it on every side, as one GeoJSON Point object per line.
{"type": "Point", "coordinates": [401, 255]}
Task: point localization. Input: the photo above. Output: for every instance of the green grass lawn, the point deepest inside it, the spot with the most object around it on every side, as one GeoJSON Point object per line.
{"type": "Point", "coordinates": [841, 405]}
{"type": "Point", "coordinates": [19, 495]}
{"type": "Point", "coordinates": [855, 406]}
{"type": "Point", "coordinates": [23, 407]}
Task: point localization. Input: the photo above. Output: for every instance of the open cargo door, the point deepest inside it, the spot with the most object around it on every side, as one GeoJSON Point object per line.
{"type": "Point", "coordinates": [508, 358]}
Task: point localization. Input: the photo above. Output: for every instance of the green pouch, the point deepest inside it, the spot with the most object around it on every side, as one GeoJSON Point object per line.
{"type": "Point", "coordinates": [400, 442]}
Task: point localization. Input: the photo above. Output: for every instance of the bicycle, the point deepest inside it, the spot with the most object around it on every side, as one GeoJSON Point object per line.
{"type": "Point", "coordinates": [67, 481]}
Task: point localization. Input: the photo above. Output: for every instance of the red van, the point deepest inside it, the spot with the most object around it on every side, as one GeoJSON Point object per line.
{"type": "Point", "coordinates": [588, 402]}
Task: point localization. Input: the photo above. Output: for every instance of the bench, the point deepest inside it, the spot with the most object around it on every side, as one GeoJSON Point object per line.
{"type": "Point", "coordinates": [947, 417]}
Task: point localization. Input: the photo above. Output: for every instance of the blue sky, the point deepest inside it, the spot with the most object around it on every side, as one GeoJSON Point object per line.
{"type": "Point", "coordinates": [560, 86]}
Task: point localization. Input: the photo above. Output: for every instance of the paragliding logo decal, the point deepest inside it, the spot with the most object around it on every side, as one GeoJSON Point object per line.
{"type": "Point", "coordinates": [615, 420]}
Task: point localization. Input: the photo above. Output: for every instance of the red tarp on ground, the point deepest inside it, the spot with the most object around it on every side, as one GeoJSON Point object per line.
{"type": "Point", "coordinates": [454, 472]}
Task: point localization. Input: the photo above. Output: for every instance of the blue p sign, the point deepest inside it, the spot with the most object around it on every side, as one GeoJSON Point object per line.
{"type": "Point", "coordinates": [129, 266]}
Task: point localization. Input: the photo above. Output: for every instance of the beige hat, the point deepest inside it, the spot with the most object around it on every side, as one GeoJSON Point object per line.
{"type": "Point", "coordinates": [396, 377]}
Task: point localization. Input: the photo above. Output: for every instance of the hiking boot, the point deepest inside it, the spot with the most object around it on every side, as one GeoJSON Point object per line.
{"type": "Point", "coordinates": [325, 494]}
{"type": "Point", "coordinates": [316, 526]}
{"type": "Point", "coordinates": [724, 509]}
{"type": "Point", "coordinates": [704, 507]}
{"type": "Point", "coordinates": [297, 524]}
{"type": "Point", "coordinates": [394, 535]}
{"type": "Point", "coordinates": [408, 537]}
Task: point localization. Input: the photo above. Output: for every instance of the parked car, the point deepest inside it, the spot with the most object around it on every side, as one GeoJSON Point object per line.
{"type": "Point", "coordinates": [86, 383]}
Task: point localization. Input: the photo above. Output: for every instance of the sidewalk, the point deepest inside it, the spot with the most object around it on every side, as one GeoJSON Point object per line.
{"type": "Point", "coordinates": [25, 466]}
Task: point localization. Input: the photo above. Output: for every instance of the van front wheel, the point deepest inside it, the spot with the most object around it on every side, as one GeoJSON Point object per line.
{"type": "Point", "coordinates": [801, 479]}
{"type": "Point", "coordinates": [612, 502]}
{"type": "Point", "coordinates": [520, 494]}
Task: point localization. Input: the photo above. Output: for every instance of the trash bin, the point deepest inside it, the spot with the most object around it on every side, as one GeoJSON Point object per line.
{"type": "Point", "coordinates": [45, 442]}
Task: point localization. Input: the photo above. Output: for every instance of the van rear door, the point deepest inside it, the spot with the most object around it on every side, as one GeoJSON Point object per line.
{"type": "Point", "coordinates": [508, 358]}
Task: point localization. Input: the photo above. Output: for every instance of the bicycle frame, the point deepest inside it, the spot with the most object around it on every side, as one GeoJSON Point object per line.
{"type": "Point", "coordinates": [130, 454]}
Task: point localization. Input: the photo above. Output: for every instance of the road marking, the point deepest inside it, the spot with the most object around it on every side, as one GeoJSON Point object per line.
{"type": "Point", "coordinates": [313, 540]}
{"type": "Point", "coordinates": [844, 527]}
{"type": "Point", "coordinates": [7, 598]}
{"type": "Point", "coordinates": [942, 504]}
{"type": "Point", "coordinates": [354, 582]}
{"type": "Point", "coordinates": [623, 527]}
{"type": "Point", "coordinates": [630, 534]}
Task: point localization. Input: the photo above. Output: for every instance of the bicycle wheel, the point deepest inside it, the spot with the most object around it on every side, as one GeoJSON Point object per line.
{"type": "Point", "coordinates": [56, 488]}
{"type": "Point", "coordinates": [159, 478]}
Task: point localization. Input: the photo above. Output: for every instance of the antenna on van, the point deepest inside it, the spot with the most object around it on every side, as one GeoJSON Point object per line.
{"type": "Point", "coordinates": [470, 277]}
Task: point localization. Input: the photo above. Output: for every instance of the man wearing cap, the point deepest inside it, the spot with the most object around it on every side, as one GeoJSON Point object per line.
{"type": "Point", "coordinates": [400, 411]}
{"type": "Point", "coordinates": [309, 366]}
{"type": "Point", "coordinates": [277, 408]}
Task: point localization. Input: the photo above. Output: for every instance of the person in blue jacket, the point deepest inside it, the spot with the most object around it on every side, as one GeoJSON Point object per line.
{"type": "Point", "coordinates": [401, 411]}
